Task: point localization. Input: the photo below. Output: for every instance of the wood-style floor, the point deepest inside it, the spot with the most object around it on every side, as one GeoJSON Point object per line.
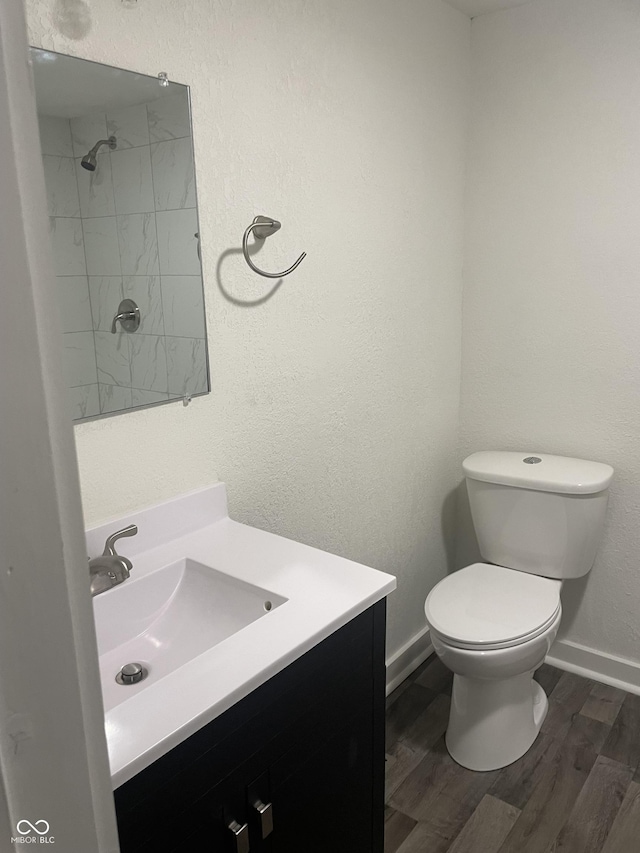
{"type": "Point", "coordinates": [577, 790]}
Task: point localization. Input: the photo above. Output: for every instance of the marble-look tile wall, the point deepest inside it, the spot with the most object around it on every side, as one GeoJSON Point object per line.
{"type": "Point", "coordinates": [127, 230]}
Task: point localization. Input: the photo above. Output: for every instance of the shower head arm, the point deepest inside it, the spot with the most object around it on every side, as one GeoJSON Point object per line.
{"type": "Point", "coordinates": [111, 142]}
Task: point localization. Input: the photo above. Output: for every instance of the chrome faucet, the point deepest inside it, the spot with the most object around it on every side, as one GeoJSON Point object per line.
{"type": "Point", "coordinates": [111, 569]}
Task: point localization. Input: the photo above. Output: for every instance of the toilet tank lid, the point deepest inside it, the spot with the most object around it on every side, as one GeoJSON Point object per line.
{"type": "Point", "coordinates": [541, 472]}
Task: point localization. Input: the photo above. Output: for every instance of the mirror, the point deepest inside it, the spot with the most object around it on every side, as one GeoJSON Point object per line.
{"type": "Point", "coordinates": [118, 164]}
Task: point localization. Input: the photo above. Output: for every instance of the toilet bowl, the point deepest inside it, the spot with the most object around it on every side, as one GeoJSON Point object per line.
{"type": "Point", "coordinates": [492, 627]}
{"type": "Point", "coordinates": [539, 520]}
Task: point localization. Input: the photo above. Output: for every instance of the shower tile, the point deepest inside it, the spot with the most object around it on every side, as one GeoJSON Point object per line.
{"type": "Point", "coordinates": [73, 299]}
{"type": "Point", "coordinates": [62, 187]}
{"type": "Point", "coordinates": [145, 292]}
{"type": "Point", "coordinates": [80, 358]}
{"type": "Point", "coordinates": [101, 246]}
{"type": "Point", "coordinates": [183, 304]}
{"type": "Point", "coordinates": [177, 243]}
{"type": "Point", "coordinates": [129, 126]}
{"type": "Point", "coordinates": [86, 131]}
{"type": "Point", "coordinates": [132, 184]}
{"type": "Point", "coordinates": [169, 117]}
{"type": "Point", "coordinates": [84, 401]}
{"type": "Point", "coordinates": [140, 397]}
{"type": "Point", "coordinates": [148, 362]}
{"type": "Point", "coordinates": [112, 355]}
{"type": "Point", "coordinates": [138, 244]}
{"type": "Point", "coordinates": [114, 398]}
{"type": "Point", "coordinates": [68, 246]}
{"type": "Point", "coordinates": [173, 177]}
{"type": "Point", "coordinates": [96, 188]}
{"type": "Point", "coordinates": [106, 296]}
{"type": "Point", "coordinates": [55, 136]}
{"type": "Point", "coordinates": [186, 366]}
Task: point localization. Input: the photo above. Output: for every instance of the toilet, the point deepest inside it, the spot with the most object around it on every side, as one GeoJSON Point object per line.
{"type": "Point", "coordinates": [538, 519]}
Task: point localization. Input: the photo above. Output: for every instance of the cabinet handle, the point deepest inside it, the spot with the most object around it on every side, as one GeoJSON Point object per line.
{"type": "Point", "coordinates": [265, 810]}
{"type": "Point", "coordinates": [240, 836]}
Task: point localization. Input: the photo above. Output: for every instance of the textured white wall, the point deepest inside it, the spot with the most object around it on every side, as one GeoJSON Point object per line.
{"type": "Point", "coordinates": [552, 300]}
{"type": "Point", "coordinates": [334, 410]}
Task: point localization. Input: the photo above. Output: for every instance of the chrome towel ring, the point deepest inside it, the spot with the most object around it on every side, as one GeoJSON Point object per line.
{"type": "Point", "coordinates": [264, 226]}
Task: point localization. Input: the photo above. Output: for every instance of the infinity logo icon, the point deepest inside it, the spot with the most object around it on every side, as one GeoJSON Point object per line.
{"type": "Point", "coordinates": [32, 827]}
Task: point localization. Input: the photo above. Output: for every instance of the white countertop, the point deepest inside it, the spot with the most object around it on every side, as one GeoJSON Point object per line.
{"type": "Point", "coordinates": [324, 592]}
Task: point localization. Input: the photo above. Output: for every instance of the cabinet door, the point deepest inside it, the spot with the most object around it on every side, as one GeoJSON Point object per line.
{"type": "Point", "coordinates": [214, 823]}
{"type": "Point", "coordinates": [324, 802]}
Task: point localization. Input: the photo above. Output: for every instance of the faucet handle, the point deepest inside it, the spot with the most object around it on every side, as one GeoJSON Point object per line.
{"type": "Point", "coordinates": [109, 546]}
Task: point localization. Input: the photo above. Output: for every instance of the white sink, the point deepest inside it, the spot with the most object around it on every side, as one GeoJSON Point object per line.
{"type": "Point", "coordinates": [168, 617]}
{"type": "Point", "coordinates": [205, 634]}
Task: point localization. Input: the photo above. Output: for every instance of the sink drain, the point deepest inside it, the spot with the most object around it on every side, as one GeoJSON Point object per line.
{"type": "Point", "coordinates": [132, 673]}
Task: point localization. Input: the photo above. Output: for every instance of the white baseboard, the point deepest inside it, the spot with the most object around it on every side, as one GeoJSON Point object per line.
{"type": "Point", "coordinates": [408, 658]}
{"type": "Point", "coordinates": [600, 666]}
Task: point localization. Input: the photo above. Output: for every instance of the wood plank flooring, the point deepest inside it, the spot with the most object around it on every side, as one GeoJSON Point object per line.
{"type": "Point", "coordinates": [577, 790]}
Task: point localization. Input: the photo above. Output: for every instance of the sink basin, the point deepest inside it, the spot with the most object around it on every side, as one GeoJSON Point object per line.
{"type": "Point", "coordinates": [168, 617]}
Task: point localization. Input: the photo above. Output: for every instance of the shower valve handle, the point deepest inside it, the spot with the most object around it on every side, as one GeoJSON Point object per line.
{"type": "Point", "coordinates": [128, 316]}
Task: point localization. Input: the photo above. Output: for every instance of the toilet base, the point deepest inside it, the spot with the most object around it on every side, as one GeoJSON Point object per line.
{"type": "Point", "coordinates": [493, 722]}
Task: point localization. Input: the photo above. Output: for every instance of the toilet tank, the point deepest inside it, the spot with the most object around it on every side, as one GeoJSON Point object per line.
{"type": "Point", "coordinates": [538, 513]}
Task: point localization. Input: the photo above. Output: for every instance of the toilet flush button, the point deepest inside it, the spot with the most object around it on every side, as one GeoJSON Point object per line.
{"type": "Point", "coordinates": [532, 460]}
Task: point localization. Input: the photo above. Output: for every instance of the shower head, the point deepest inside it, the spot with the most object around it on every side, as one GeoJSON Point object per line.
{"type": "Point", "coordinates": [89, 160]}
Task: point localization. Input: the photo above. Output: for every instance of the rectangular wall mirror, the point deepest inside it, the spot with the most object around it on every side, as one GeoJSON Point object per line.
{"type": "Point", "coordinates": [118, 163]}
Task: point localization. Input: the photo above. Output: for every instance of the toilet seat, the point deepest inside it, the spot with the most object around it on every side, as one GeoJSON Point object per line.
{"type": "Point", "coordinates": [483, 607]}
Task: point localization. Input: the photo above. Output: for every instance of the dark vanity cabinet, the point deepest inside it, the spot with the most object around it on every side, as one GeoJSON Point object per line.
{"type": "Point", "coordinates": [295, 767]}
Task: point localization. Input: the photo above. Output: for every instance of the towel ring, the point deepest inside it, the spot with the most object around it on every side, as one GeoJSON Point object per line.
{"type": "Point", "coordinates": [264, 226]}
